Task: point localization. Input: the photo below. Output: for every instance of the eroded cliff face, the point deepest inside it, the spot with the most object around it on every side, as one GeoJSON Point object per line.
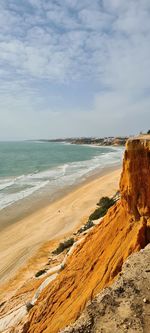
{"type": "Point", "coordinates": [124, 307]}
{"type": "Point", "coordinates": [98, 259]}
{"type": "Point", "coordinates": [135, 179]}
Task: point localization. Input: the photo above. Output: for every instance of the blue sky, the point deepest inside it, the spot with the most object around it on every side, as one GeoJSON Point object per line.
{"type": "Point", "coordinates": [74, 68]}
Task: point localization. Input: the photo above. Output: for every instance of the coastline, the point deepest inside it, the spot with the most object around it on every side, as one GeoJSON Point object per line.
{"type": "Point", "coordinates": [21, 240]}
{"type": "Point", "coordinates": [27, 206]}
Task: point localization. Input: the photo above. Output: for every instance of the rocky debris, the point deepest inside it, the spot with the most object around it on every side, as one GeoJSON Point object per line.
{"type": "Point", "coordinates": [123, 307]}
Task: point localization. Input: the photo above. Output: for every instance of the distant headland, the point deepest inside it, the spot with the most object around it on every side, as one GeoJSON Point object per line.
{"type": "Point", "coordinates": [106, 141]}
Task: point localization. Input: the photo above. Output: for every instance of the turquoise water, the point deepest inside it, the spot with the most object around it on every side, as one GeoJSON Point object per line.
{"type": "Point", "coordinates": [27, 167]}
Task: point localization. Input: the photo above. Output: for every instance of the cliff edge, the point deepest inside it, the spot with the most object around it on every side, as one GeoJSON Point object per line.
{"type": "Point", "coordinates": [96, 262]}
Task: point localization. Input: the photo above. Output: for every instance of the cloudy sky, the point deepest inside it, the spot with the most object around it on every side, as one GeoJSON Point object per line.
{"type": "Point", "coordinates": [74, 68]}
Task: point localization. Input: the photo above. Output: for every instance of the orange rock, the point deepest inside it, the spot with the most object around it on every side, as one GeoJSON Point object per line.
{"type": "Point", "coordinates": [96, 262]}
{"type": "Point", "coordinates": [135, 180]}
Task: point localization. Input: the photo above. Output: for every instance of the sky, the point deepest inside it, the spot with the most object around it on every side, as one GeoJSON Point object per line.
{"type": "Point", "coordinates": [74, 68]}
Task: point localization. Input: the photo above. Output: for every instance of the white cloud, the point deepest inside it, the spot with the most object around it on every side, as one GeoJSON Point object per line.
{"type": "Point", "coordinates": [55, 43]}
{"type": "Point", "coordinates": [94, 19]}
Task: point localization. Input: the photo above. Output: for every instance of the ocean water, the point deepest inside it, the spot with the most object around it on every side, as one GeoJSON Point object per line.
{"type": "Point", "coordinates": [28, 168]}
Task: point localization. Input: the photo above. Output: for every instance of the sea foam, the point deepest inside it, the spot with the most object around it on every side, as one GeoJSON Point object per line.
{"type": "Point", "coordinates": [14, 189]}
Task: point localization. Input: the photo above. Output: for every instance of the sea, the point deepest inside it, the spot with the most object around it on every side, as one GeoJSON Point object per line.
{"type": "Point", "coordinates": [34, 168]}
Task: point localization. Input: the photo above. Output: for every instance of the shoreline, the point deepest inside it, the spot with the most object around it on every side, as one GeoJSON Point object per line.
{"type": "Point", "coordinates": [21, 240]}
{"type": "Point", "coordinates": [27, 206]}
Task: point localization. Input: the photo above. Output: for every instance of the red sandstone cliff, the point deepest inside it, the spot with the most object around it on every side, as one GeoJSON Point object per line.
{"type": "Point", "coordinates": [97, 260]}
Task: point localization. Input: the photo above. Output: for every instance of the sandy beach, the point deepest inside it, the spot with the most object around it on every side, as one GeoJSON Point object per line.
{"type": "Point", "coordinates": [21, 240]}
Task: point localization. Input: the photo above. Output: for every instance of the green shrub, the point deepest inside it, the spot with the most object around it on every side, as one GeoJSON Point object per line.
{"type": "Point", "coordinates": [87, 226]}
{"type": "Point", "coordinates": [42, 271]}
{"type": "Point", "coordinates": [104, 204]}
{"type": "Point", "coordinates": [99, 212]}
{"type": "Point", "coordinates": [65, 245]}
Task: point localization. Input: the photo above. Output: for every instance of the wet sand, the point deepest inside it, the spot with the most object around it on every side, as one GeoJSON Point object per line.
{"type": "Point", "coordinates": [20, 240]}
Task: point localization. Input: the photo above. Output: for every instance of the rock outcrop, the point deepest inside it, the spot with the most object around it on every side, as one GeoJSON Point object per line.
{"type": "Point", "coordinates": [125, 306]}
{"type": "Point", "coordinates": [98, 259]}
{"type": "Point", "coordinates": [135, 180]}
